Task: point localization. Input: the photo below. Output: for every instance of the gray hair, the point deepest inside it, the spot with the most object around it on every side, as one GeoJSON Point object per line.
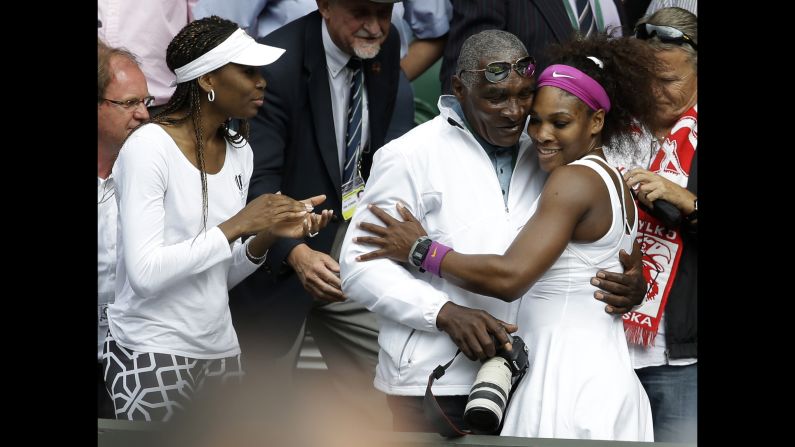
{"type": "Point", "coordinates": [491, 43]}
{"type": "Point", "coordinates": [681, 19]}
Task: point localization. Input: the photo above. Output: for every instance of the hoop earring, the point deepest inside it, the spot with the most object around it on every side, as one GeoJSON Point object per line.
{"type": "Point", "coordinates": [211, 95]}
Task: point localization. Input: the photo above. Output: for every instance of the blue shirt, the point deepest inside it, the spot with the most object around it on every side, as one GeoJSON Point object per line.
{"type": "Point", "coordinates": [258, 17]}
{"type": "Point", "coordinates": [502, 158]}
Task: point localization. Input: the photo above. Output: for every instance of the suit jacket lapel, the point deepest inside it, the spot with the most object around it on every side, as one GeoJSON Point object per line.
{"type": "Point", "coordinates": [622, 17]}
{"type": "Point", "coordinates": [555, 14]}
{"type": "Point", "coordinates": [320, 101]}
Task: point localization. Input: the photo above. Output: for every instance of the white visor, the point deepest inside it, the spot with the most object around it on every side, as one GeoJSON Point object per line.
{"type": "Point", "coordinates": [239, 48]}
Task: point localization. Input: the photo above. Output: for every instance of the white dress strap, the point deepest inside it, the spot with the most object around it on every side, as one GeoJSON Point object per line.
{"type": "Point", "coordinates": [614, 172]}
{"type": "Point", "coordinates": [616, 236]}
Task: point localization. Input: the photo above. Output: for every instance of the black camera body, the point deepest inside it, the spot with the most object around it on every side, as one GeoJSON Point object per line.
{"type": "Point", "coordinates": [663, 210]}
{"type": "Point", "coordinates": [492, 388]}
{"type": "Point", "coordinates": [517, 357]}
{"type": "Point", "coordinates": [666, 212]}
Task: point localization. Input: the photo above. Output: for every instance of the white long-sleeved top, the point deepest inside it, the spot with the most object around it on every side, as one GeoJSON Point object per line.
{"type": "Point", "coordinates": [445, 178]}
{"type": "Point", "coordinates": [172, 279]}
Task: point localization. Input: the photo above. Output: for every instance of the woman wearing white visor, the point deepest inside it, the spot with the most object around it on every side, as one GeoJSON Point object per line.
{"type": "Point", "coordinates": [181, 187]}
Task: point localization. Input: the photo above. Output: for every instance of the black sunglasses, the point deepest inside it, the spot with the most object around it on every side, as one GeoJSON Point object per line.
{"type": "Point", "coordinates": [666, 34]}
{"type": "Point", "coordinates": [499, 71]}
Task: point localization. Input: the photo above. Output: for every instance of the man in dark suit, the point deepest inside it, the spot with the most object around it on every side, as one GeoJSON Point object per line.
{"type": "Point", "coordinates": [302, 142]}
{"type": "Point", "coordinates": [537, 23]}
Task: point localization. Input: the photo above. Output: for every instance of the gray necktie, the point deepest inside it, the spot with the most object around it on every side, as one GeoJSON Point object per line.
{"type": "Point", "coordinates": [353, 136]}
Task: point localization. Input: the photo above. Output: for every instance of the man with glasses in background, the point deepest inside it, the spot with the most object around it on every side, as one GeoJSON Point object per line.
{"type": "Point", "coordinates": [470, 176]}
{"type": "Point", "coordinates": [122, 99]}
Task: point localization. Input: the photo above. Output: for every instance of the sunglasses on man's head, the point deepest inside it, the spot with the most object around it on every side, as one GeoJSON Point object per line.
{"type": "Point", "coordinates": [499, 71]}
{"type": "Point", "coordinates": [666, 34]}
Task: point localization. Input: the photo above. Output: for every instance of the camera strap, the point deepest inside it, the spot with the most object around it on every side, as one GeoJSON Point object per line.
{"type": "Point", "coordinates": [433, 411]}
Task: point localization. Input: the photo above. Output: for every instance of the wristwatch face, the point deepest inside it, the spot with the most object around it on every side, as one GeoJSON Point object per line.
{"type": "Point", "coordinates": [418, 255]}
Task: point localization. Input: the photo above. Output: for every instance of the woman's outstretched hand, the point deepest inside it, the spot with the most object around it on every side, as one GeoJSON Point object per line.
{"type": "Point", "coordinates": [309, 226]}
{"type": "Point", "coordinates": [394, 240]}
{"type": "Point", "coordinates": [277, 215]}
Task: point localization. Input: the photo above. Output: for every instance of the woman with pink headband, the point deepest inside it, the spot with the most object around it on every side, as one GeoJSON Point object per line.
{"type": "Point", "coordinates": [181, 183]}
{"type": "Point", "coordinates": [580, 384]}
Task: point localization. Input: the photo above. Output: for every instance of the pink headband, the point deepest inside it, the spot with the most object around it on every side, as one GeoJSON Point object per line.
{"type": "Point", "coordinates": [577, 83]}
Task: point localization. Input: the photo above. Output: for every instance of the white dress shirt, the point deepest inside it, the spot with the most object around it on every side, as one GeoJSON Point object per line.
{"type": "Point", "coordinates": [339, 81]}
{"type": "Point", "coordinates": [106, 255]}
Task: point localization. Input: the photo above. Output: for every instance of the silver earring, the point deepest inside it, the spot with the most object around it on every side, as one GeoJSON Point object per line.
{"type": "Point", "coordinates": [211, 95]}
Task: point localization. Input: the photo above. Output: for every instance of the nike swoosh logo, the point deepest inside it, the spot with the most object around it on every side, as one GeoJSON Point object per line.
{"type": "Point", "coordinates": [433, 255]}
{"type": "Point", "coordinates": [555, 74]}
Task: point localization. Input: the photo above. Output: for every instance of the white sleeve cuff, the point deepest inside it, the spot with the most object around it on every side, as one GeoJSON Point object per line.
{"type": "Point", "coordinates": [432, 312]}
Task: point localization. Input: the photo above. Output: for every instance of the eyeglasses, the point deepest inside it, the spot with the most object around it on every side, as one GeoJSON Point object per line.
{"type": "Point", "coordinates": [666, 34]}
{"type": "Point", "coordinates": [499, 71]}
{"type": "Point", "coordinates": [132, 103]}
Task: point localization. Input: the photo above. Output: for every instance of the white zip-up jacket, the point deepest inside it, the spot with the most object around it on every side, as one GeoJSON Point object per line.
{"type": "Point", "coordinates": [445, 178]}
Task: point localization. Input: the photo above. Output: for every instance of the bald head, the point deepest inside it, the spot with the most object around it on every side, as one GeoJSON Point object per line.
{"type": "Point", "coordinates": [125, 77]}
{"type": "Point", "coordinates": [491, 45]}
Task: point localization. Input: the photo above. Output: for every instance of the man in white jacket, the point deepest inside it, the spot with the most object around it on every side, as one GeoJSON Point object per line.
{"type": "Point", "coordinates": [470, 176]}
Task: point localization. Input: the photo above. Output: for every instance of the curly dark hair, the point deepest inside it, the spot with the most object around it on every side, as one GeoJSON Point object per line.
{"type": "Point", "coordinates": [628, 78]}
{"type": "Point", "coordinates": [194, 40]}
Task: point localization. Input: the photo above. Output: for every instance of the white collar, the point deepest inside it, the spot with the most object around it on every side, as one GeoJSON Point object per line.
{"type": "Point", "coordinates": [336, 59]}
{"type": "Point", "coordinates": [108, 180]}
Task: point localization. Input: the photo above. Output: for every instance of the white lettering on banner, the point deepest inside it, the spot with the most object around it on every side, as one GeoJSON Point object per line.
{"type": "Point", "coordinates": [635, 317]}
{"type": "Point", "coordinates": [658, 230]}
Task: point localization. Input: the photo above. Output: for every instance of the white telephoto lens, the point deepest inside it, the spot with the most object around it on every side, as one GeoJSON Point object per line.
{"type": "Point", "coordinates": [491, 388]}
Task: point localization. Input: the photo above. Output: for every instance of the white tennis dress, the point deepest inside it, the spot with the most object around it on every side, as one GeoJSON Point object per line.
{"type": "Point", "coordinates": [580, 383]}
